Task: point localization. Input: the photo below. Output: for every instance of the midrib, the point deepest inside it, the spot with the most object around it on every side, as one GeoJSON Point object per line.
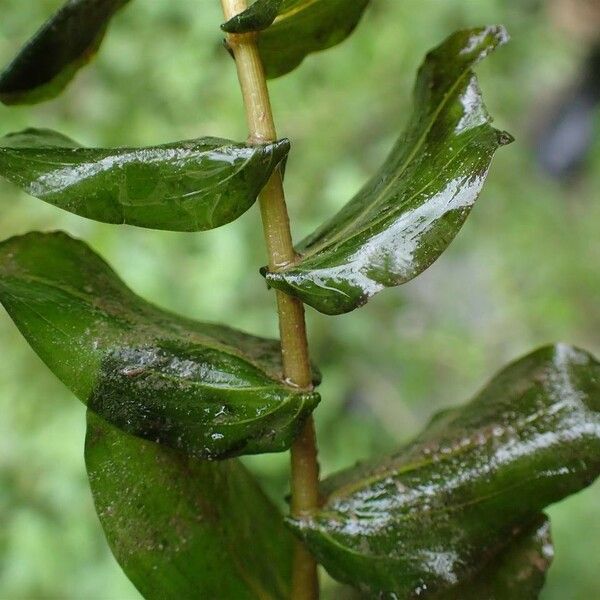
{"type": "Point", "coordinates": [340, 234]}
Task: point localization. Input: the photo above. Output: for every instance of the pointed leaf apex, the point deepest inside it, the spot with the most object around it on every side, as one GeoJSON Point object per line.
{"type": "Point", "coordinates": [255, 18]}
{"type": "Point", "coordinates": [505, 138]}
{"type": "Point", "coordinates": [281, 147]}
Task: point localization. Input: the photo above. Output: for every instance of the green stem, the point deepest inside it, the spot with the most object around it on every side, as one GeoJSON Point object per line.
{"type": "Point", "coordinates": [292, 327]}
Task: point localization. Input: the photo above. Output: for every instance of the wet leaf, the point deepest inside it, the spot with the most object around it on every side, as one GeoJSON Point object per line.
{"type": "Point", "coordinates": [185, 528]}
{"type": "Point", "coordinates": [52, 57]}
{"type": "Point", "coordinates": [517, 573]}
{"type": "Point", "coordinates": [293, 29]}
{"type": "Point", "coordinates": [205, 389]}
{"type": "Point", "coordinates": [429, 517]}
{"type": "Point", "coordinates": [259, 15]}
{"type": "Point", "coordinates": [191, 185]}
{"type": "Point", "coordinates": [409, 212]}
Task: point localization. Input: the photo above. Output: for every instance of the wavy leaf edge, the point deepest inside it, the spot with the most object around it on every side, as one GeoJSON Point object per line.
{"type": "Point", "coordinates": [204, 389]}
{"type": "Point", "coordinates": [433, 513]}
{"type": "Point", "coordinates": [407, 214]}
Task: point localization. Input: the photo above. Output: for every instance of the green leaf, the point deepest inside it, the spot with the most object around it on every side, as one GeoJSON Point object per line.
{"type": "Point", "coordinates": [293, 29]}
{"type": "Point", "coordinates": [259, 16]}
{"type": "Point", "coordinates": [431, 515]}
{"type": "Point", "coordinates": [517, 573]}
{"type": "Point", "coordinates": [185, 528]}
{"type": "Point", "coordinates": [205, 389]}
{"type": "Point", "coordinates": [191, 185]}
{"type": "Point", "coordinates": [409, 212]}
{"type": "Point", "coordinates": [64, 44]}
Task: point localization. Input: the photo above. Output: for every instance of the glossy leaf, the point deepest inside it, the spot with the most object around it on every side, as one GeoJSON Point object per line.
{"type": "Point", "coordinates": [409, 212]}
{"type": "Point", "coordinates": [185, 528]}
{"type": "Point", "coordinates": [517, 573]}
{"type": "Point", "coordinates": [205, 389]}
{"type": "Point", "coordinates": [191, 185]}
{"type": "Point", "coordinates": [431, 515]}
{"type": "Point", "coordinates": [52, 57]}
{"type": "Point", "coordinates": [259, 15]}
{"type": "Point", "coordinates": [293, 29]}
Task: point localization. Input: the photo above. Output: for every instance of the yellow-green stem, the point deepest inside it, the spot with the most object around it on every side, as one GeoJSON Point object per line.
{"type": "Point", "coordinates": [292, 328]}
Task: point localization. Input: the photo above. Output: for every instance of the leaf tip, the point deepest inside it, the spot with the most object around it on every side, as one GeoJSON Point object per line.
{"type": "Point", "coordinates": [255, 18]}
{"type": "Point", "coordinates": [474, 44]}
{"type": "Point", "coordinates": [232, 26]}
{"type": "Point", "coordinates": [311, 400]}
{"type": "Point", "coordinates": [500, 34]}
{"type": "Point", "coordinates": [235, 25]}
{"type": "Point", "coordinates": [282, 147]}
{"type": "Point", "coordinates": [494, 35]}
{"type": "Point", "coordinates": [504, 138]}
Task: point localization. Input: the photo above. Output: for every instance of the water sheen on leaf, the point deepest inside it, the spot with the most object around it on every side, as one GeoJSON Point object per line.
{"type": "Point", "coordinates": [428, 518]}
{"type": "Point", "coordinates": [191, 185]}
{"type": "Point", "coordinates": [517, 573]}
{"type": "Point", "coordinates": [185, 528]}
{"type": "Point", "coordinates": [52, 57]}
{"type": "Point", "coordinates": [293, 29]}
{"type": "Point", "coordinates": [409, 212]}
{"type": "Point", "coordinates": [207, 390]}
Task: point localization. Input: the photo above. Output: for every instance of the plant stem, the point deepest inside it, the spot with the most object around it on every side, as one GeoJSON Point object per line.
{"type": "Point", "coordinates": [292, 327]}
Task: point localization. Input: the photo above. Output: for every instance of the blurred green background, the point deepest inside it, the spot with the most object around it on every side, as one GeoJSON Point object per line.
{"type": "Point", "coordinates": [523, 272]}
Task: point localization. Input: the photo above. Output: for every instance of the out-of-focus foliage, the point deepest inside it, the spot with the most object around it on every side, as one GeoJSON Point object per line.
{"type": "Point", "coordinates": [50, 59]}
{"type": "Point", "coordinates": [525, 272]}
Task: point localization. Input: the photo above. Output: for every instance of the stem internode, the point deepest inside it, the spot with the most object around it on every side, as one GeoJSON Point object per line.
{"type": "Point", "coordinates": [292, 327]}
